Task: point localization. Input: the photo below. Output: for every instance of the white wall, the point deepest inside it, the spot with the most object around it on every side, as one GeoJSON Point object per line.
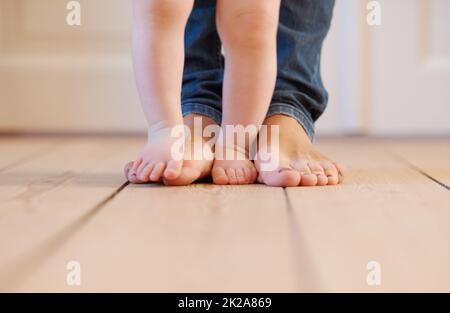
{"type": "Point", "coordinates": [385, 80]}
{"type": "Point", "coordinates": [341, 71]}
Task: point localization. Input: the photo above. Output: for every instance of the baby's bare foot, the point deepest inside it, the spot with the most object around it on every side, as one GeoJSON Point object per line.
{"type": "Point", "coordinates": [232, 166]}
{"type": "Point", "coordinates": [299, 162]}
{"type": "Point", "coordinates": [157, 159]}
{"type": "Point", "coordinates": [199, 154]}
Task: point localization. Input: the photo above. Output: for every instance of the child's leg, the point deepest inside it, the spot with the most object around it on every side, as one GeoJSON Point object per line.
{"type": "Point", "coordinates": [158, 55]}
{"type": "Point", "coordinates": [201, 96]}
{"type": "Point", "coordinates": [248, 32]}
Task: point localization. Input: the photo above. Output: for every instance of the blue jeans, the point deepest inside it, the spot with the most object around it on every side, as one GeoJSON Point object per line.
{"type": "Point", "coordinates": [299, 91]}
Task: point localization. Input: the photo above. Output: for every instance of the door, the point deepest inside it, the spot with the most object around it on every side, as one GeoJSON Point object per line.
{"type": "Point", "coordinates": [410, 79]}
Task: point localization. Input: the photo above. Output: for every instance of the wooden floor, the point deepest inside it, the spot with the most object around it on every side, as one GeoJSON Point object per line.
{"type": "Point", "coordinates": [64, 199]}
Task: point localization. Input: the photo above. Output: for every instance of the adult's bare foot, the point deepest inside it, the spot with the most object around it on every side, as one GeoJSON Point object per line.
{"type": "Point", "coordinates": [299, 161]}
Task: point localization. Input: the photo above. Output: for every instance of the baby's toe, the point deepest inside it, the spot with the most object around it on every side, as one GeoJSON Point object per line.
{"type": "Point", "coordinates": [130, 174]}
{"type": "Point", "coordinates": [136, 164]}
{"type": "Point", "coordinates": [240, 176]}
{"type": "Point", "coordinates": [140, 169]}
{"type": "Point", "coordinates": [127, 168]}
{"type": "Point", "coordinates": [250, 174]}
{"type": "Point", "coordinates": [157, 171]}
{"type": "Point", "coordinates": [127, 171]}
{"type": "Point", "coordinates": [173, 169]}
{"type": "Point", "coordinates": [187, 176]}
{"type": "Point", "coordinates": [219, 175]}
{"type": "Point", "coordinates": [146, 171]}
{"type": "Point", "coordinates": [231, 173]}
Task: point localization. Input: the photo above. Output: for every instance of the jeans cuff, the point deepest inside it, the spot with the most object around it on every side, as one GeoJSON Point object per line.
{"type": "Point", "coordinates": [304, 120]}
{"type": "Point", "coordinates": [202, 109]}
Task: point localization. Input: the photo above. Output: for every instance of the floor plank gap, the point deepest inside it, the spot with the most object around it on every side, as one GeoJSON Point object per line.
{"type": "Point", "coordinates": [105, 201]}
{"type": "Point", "coordinates": [420, 171]}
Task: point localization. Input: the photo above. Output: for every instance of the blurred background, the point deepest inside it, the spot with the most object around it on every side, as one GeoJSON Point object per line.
{"type": "Point", "coordinates": [386, 80]}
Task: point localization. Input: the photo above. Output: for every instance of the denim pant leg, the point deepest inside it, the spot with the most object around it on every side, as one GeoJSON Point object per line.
{"type": "Point", "coordinates": [299, 90]}
{"type": "Point", "coordinates": [203, 69]}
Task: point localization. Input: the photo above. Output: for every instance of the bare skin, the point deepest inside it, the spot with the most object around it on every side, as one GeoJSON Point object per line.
{"type": "Point", "coordinates": [193, 169]}
{"type": "Point", "coordinates": [300, 163]}
{"type": "Point", "coordinates": [238, 170]}
{"type": "Point", "coordinates": [158, 58]}
{"type": "Point", "coordinates": [248, 30]}
{"type": "Point", "coordinates": [155, 161]}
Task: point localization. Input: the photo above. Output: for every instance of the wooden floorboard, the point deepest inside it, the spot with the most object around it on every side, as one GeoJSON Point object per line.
{"type": "Point", "coordinates": [14, 151]}
{"type": "Point", "coordinates": [44, 200]}
{"type": "Point", "coordinates": [432, 157]}
{"type": "Point", "coordinates": [68, 202]}
{"type": "Point", "coordinates": [198, 238]}
{"type": "Point", "coordinates": [385, 212]}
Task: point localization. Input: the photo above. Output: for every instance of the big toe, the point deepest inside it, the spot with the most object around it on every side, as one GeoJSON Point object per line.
{"type": "Point", "coordinates": [173, 169]}
{"type": "Point", "coordinates": [283, 177]}
{"type": "Point", "coordinates": [157, 172]}
{"type": "Point", "coordinates": [188, 175]}
{"type": "Point", "coordinates": [219, 175]}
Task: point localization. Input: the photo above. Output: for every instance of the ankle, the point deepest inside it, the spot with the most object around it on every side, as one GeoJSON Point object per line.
{"type": "Point", "coordinates": [287, 126]}
{"type": "Point", "coordinates": [166, 124]}
{"type": "Point", "coordinates": [231, 152]}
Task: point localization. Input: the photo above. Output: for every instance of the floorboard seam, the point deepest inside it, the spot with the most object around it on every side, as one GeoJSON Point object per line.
{"type": "Point", "coordinates": [420, 171]}
{"type": "Point", "coordinates": [300, 261]}
{"type": "Point", "coordinates": [10, 279]}
{"type": "Point", "coordinates": [288, 200]}
{"type": "Point", "coordinates": [105, 201]}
